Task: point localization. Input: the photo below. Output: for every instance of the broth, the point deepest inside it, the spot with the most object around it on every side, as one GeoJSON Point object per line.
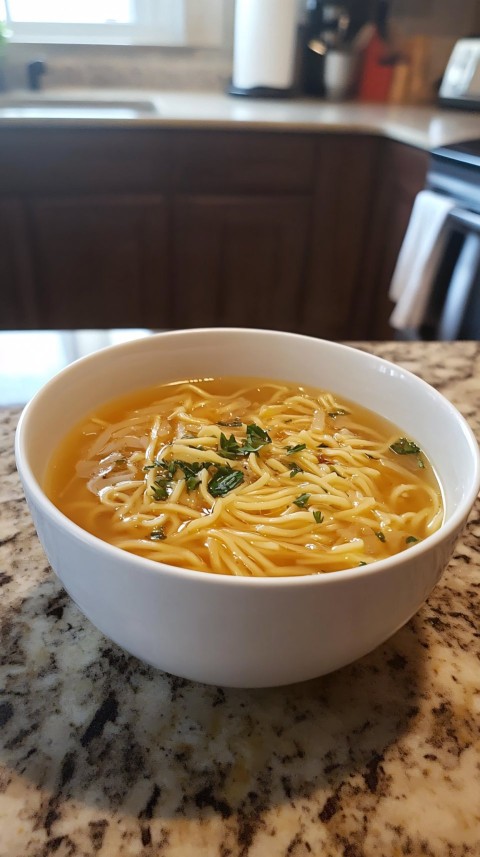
{"type": "Point", "coordinates": [245, 476]}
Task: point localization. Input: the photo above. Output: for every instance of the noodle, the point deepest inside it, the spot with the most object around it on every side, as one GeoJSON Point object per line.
{"type": "Point", "coordinates": [247, 477]}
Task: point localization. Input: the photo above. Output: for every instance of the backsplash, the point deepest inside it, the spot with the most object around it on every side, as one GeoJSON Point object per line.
{"type": "Point", "coordinates": [202, 69]}
{"type": "Point", "coordinates": [125, 67]}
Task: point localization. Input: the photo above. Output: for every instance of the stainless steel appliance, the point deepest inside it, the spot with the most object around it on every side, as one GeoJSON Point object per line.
{"type": "Point", "coordinates": [454, 306]}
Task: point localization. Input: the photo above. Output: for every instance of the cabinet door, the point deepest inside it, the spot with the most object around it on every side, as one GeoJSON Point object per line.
{"type": "Point", "coordinates": [402, 170]}
{"type": "Point", "coordinates": [100, 261]}
{"type": "Point", "coordinates": [346, 181]}
{"type": "Point", "coordinates": [240, 260]}
{"type": "Point", "coordinates": [17, 303]}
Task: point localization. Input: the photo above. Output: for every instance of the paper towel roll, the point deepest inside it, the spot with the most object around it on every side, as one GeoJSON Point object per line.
{"type": "Point", "coordinates": [264, 43]}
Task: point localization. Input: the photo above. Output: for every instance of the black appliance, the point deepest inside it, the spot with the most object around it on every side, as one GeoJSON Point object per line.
{"type": "Point", "coordinates": [454, 307]}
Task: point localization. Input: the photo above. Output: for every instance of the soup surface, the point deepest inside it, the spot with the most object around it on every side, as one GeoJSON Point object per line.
{"type": "Point", "coordinates": [246, 476]}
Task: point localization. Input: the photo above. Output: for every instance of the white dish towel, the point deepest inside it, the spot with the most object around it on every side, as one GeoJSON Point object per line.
{"type": "Point", "coordinates": [418, 260]}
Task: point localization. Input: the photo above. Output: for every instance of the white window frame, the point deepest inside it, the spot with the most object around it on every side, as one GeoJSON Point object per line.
{"type": "Point", "coordinates": [170, 23]}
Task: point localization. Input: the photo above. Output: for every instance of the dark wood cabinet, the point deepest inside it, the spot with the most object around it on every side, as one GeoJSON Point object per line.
{"type": "Point", "coordinates": [346, 182]}
{"type": "Point", "coordinates": [402, 169]}
{"type": "Point", "coordinates": [100, 261]}
{"type": "Point", "coordinates": [240, 261]}
{"type": "Point", "coordinates": [18, 306]}
{"type": "Point", "coordinates": [163, 227]}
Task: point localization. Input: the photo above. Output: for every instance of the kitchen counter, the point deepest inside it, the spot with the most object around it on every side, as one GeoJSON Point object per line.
{"type": "Point", "coordinates": [103, 755]}
{"type": "Point", "coordinates": [424, 127]}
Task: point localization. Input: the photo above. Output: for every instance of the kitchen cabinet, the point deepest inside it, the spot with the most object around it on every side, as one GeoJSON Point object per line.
{"type": "Point", "coordinates": [402, 169]}
{"type": "Point", "coordinates": [168, 227]}
{"type": "Point", "coordinates": [240, 261]}
{"type": "Point", "coordinates": [99, 261]}
{"type": "Point", "coordinates": [18, 303]}
{"type": "Point", "coordinates": [346, 182]}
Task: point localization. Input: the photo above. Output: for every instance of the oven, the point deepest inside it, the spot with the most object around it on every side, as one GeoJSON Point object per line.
{"type": "Point", "coordinates": [441, 268]}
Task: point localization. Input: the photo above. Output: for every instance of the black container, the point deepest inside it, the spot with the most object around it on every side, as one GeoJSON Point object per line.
{"type": "Point", "coordinates": [312, 61]}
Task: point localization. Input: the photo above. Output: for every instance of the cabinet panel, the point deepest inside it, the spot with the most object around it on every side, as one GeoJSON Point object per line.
{"type": "Point", "coordinates": [403, 169]}
{"type": "Point", "coordinates": [233, 162]}
{"type": "Point", "coordinates": [17, 302]}
{"type": "Point", "coordinates": [240, 261]}
{"type": "Point", "coordinates": [83, 160]}
{"type": "Point", "coordinates": [346, 180]}
{"type": "Point", "coordinates": [100, 261]}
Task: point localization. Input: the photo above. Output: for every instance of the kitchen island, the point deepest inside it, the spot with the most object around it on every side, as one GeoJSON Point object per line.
{"type": "Point", "coordinates": [103, 755]}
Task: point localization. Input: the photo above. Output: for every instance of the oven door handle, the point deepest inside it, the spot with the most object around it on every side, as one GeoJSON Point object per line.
{"type": "Point", "coordinates": [468, 220]}
{"type": "Point", "coordinates": [463, 281]}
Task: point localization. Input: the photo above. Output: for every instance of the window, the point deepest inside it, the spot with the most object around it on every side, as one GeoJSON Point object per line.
{"type": "Point", "coordinates": [165, 22]}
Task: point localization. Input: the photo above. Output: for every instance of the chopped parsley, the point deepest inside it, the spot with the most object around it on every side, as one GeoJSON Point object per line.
{"type": "Point", "coordinates": [152, 466]}
{"type": "Point", "coordinates": [158, 535]}
{"type": "Point", "coordinates": [229, 447]}
{"type": "Point", "coordinates": [225, 480]}
{"type": "Point", "coordinates": [403, 446]}
{"type": "Point", "coordinates": [302, 501]}
{"type": "Point", "coordinates": [295, 468]}
{"type": "Point", "coordinates": [380, 536]}
{"type": "Point", "coordinates": [292, 450]}
{"type": "Point", "coordinates": [235, 423]}
{"type": "Point", "coordinates": [318, 517]}
{"type": "Point", "coordinates": [255, 439]}
{"type": "Point", "coordinates": [161, 489]}
{"type": "Point", "coordinates": [362, 563]}
{"type": "Point", "coordinates": [410, 540]}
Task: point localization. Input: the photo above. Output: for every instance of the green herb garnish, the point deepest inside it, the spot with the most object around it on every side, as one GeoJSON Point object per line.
{"type": "Point", "coordinates": [380, 536]}
{"type": "Point", "coordinates": [403, 446]}
{"type": "Point", "coordinates": [292, 450]}
{"type": "Point", "coordinates": [256, 439]}
{"type": "Point", "coordinates": [190, 470]}
{"type": "Point", "coordinates": [161, 489]}
{"type": "Point", "coordinates": [156, 463]}
{"type": "Point", "coordinates": [158, 535]}
{"type": "Point", "coordinates": [302, 501]}
{"type": "Point", "coordinates": [229, 447]}
{"type": "Point", "coordinates": [225, 480]}
{"type": "Point", "coordinates": [295, 469]}
{"type": "Point", "coordinates": [318, 517]}
{"type": "Point", "coordinates": [420, 463]}
{"type": "Point", "coordinates": [410, 540]}
{"type": "Point", "coordinates": [235, 423]}
{"type": "Point", "coordinates": [362, 563]}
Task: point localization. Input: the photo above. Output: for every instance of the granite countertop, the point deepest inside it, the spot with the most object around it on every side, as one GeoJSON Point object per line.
{"type": "Point", "coordinates": [423, 126]}
{"type": "Point", "coordinates": [102, 755]}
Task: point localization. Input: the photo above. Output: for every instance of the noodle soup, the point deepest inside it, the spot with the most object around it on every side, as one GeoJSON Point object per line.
{"type": "Point", "coordinates": [246, 477]}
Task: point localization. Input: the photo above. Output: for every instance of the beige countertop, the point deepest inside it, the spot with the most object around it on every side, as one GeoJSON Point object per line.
{"type": "Point", "coordinates": [425, 127]}
{"type": "Point", "coordinates": [103, 755]}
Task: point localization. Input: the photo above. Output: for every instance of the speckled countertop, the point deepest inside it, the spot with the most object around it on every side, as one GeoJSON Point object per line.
{"type": "Point", "coordinates": [101, 755]}
{"type": "Point", "coordinates": [423, 126]}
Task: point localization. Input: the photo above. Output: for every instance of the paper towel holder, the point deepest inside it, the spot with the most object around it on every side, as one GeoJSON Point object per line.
{"type": "Point", "coordinates": [264, 53]}
{"type": "Point", "coordinates": [260, 91]}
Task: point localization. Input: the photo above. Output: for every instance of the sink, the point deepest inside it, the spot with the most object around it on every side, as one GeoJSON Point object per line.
{"type": "Point", "coordinates": [40, 105]}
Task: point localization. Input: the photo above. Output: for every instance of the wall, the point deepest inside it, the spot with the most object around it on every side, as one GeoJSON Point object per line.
{"type": "Point", "coordinates": [443, 21]}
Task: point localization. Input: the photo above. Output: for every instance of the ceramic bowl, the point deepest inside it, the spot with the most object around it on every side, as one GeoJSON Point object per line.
{"type": "Point", "coordinates": [234, 631]}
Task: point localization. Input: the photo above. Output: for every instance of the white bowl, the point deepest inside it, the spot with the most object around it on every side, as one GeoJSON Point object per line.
{"type": "Point", "coordinates": [245, 632]}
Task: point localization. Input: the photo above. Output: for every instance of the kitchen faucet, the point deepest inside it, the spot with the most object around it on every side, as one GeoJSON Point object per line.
{"type": "Point", "coordinates": [35, 70]}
